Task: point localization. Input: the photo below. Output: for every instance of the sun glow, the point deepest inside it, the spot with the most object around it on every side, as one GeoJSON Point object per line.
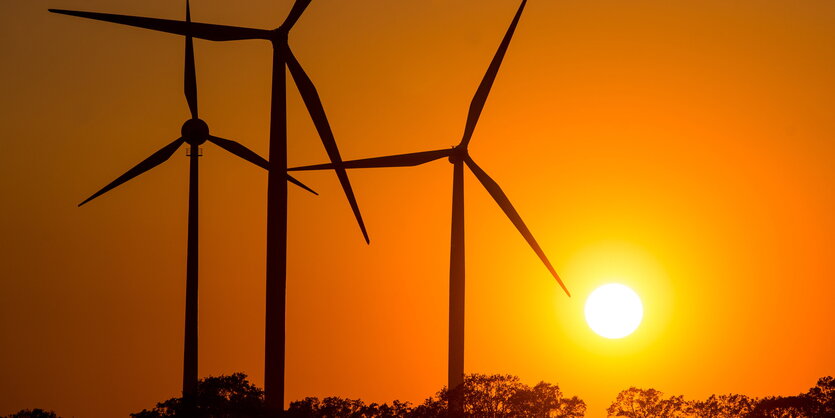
{"type": "Point", "coordinates": [614, 311]}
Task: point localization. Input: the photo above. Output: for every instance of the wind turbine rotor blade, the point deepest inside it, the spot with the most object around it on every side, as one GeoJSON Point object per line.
{"type": "Point", "coordinates": [477, 104]}
{"type": "Point", "coordinates": [247, 154]}
{"type": "Point", "coordinates": [241, 151]}
{"type": "Point", "coordinates": [314, 107]}
{"type": "Point", "coordinates": [154, 160]}
{"type": "Point", "coordinates": [295, 14]}
{"type": "Point", "coordinates": [293, 180]}
{"type": "Point", "coordinates": [190, 76]}
{"type": "Point", "coordinates": [504, 203]}
{"type": "Point", "coordinates": [401, 160]}
{"type": "Point", "coordinates": [198, 30]}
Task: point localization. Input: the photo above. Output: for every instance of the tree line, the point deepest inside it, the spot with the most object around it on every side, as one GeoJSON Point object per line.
{"type": "Point", "coordinates": [817, 402]}
{"type": "Point", "coordinates": [493, 396]}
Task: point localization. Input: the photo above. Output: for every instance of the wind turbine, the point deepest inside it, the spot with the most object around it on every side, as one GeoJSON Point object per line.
{"type": "Point", "coordinates": [276, 185]}
{"type": "Point", "coordinates": [194, 132]}
{"type": "Point", "coordinates": [459, 157]}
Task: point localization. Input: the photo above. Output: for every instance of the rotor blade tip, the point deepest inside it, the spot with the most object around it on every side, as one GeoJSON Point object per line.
{"type": "Point", "coordinates": [565, 289]}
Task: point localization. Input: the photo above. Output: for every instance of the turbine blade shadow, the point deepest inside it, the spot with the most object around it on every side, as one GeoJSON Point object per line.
{"type": "Point", "coordinates": [400, 160]}
{"type": "Point", "coordinates": [154, 160]}
{"type": "Point", "coordinates": [314, 107]}
{"type": "Point", "coordinates": [504, 203]}
{"type": "Point", "coordinates": [206, 31]}
{"type": "Point", "coordinates": [477, 104]}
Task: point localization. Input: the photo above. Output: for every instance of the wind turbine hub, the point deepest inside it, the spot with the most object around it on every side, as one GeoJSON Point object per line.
{"type": "Point", "coordinates": [280, 35]}
{"type": "Point", "coordinates": [458, 154]}
{"type": "Point", "coordinates": [195, 131]}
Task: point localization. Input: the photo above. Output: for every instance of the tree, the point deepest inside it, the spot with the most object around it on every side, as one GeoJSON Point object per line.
{"type": "Point", "coordinates": [217, 397]}
{"type": "Point", "coordinates": [494, 396]}
{"type": "Point", "coordinates": [396, 409]}
{"type": "Point", "coordinates": [346, 408]}
{"type": "Point", "coordinates": [33, 413]}
{"type": "Point", "coordinates": [647, 403]}
{"type": "Point", "coordinates": [499, 396]}
{"type": "Point", "coordinates": [724, 406]}
{"type": "Point", "coordinates": [490, 396]}
{"type": "Point", "coordinates": [819, 401]}
{"type": "Point", "coordinates": [573, 407]}
{"type": "Point", "coordinates": [783, 407]}
{"type": "Point", "coordinates": [430, 408]}
{"type": "Point", "coordinates": [822, 397]}
{"type": "Point", "coordinates": [545, 400]}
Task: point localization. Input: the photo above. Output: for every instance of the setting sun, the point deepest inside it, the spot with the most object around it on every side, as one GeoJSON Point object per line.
{"type": "Point", "coordinates": [614, 311]}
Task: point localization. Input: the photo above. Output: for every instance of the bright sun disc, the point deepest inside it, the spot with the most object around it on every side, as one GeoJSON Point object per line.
{"type": "Point", "coordinates": [614, 311]}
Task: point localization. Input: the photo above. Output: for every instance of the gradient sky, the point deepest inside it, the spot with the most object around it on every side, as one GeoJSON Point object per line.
{"type": "Point", "coordinates": [682, 148]}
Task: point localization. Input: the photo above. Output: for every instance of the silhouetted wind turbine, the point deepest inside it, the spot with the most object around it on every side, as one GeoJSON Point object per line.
{"type": "Point", "coordinates": [459, 156]}
{"type": "Point", "coordinates": [276, 184]}
{"type": "Point", "coordinates": [194, 132]}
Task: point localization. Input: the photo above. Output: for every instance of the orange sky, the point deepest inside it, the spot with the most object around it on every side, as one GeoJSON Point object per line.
{"type": "Point", "coordinates": [681, 148]}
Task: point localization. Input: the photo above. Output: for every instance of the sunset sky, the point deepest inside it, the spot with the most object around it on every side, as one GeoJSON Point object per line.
{"type": "Point", "coordinates": [683, 148]}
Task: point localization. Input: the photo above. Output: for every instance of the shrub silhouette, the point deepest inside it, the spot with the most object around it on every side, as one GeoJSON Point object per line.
{"type": "Point", "coordinates": [484, 396]}
{"type": "Point", "coordinates": [818, 402]}
{"type": "Point", "coordinates": [647, 403]}
{"type": "Point", "coordinates": [724, 406]}
{"type": "Point", "coordinates": [217, 397]}
{"type": "Point", "coordinates": [33, 413]}
{"type": "Point", "coordinates": [497, 396]}
{"type": "Point", "coordinates": [494, 396]}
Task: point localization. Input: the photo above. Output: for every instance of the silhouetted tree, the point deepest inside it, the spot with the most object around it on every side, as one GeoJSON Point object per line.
{"type": "Point", "coordinates": [502, 396]}
{"type": "Point", "coordinates": [346, 408]}
{"type": "Point", "coordinates": [430, 408]}
{"type": "Point", "coordinates": [783, 407]}
{"type": "Point", "coordinates": [647, 403]}
{"type": "Point", "coordinates": [724, 406]}
{"type": "Point", "coordinates": [491, 396]}
{"type": "Point", "coordinates": [217, 397]}
{"type": "Point", "coordinates": [495, 396]}
{"type": "Point", "coordinates": [822, 397]}
{"type": "Point", "coordinates": [545, 400]}
{"type": "Point", "coordinates": [33, 413]}
{"type": "Point", "coordinates": [819, 401]}
{"type": "Point", "coordinates": [484, 396]}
